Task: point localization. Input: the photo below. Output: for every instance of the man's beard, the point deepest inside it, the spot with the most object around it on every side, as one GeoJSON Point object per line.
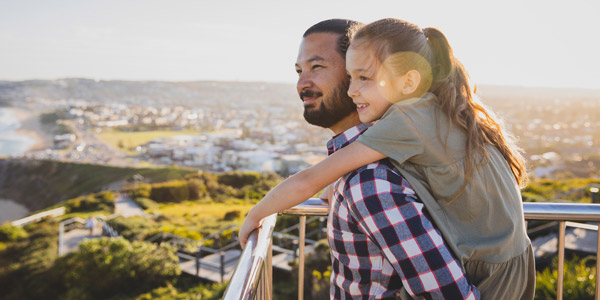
{"type": "Point", "coordinates": [333, 108]}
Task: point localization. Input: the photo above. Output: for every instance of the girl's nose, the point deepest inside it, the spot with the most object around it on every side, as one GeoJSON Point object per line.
{"type": "Point", "coordinates": [352, 90]}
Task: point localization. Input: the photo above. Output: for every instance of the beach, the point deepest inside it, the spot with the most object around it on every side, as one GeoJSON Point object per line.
{"type": "Point", "coordinates": [32, 128]}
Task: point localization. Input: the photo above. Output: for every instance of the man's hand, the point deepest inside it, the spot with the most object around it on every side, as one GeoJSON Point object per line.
{"type": "Point", "coordinates": [249, 225]}
{"type": "Point", "coordinates": [327, 193]}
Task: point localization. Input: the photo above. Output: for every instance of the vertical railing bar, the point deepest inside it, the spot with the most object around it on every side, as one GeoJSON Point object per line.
{"type": "Point", "coordinates": [561, 259]}
{"type": "Point", "coordinates": [260, 288]}
{"type": "Point", "coordinates": [269, 273]}
{"type": "Point", "coordinates": [61, 228]}
{"type": "Point", "coordinates": [222, 269]}
{"type": "Point", "coordinates": [598, 264]}
{"type": "Point", "coordinates": [301, 258]}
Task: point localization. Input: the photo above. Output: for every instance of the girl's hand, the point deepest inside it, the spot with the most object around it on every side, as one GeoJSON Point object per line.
{"type": "Point", "coordinates": [249, 225]}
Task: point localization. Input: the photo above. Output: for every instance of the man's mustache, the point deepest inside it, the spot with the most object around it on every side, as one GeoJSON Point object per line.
{"type": "Point", "coordinates": [310, 94]}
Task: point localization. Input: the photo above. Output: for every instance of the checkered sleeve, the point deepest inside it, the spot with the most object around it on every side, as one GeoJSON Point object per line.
{"type": "Point", "coordinates": [390, 216]}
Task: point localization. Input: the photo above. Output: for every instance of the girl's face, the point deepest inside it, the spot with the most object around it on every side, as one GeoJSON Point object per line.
{"type": "Point", "coordinates": [371, 87]}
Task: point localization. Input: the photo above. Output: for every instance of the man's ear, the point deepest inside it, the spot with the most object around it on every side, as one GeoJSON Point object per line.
{"type": "Point", "coordinates": [409, 82]}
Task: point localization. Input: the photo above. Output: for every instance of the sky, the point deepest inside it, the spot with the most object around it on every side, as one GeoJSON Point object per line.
{"type": "Point", "coordinates": [521, 43]}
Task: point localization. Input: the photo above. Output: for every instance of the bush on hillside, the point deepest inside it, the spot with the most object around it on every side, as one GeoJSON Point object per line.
{"type": "Point", "coordinates": [579, 280]}
{"type": "Point", "coordinates": [239, 179]}
{"type": "Point", "coordinates": [9, 233]}
{"type": "Point", "coordinates": [141, 190]}
{"type": "Point", "coordinates": [146, 203]}
{"type": "Point", "coordinates": [104, 201]}
{"type": "Point", "coordinates": [106, 267]}
{"type": "Point", "coordinates": [197, 189]}
{"type": "Point", "coordinates": [133, 228]}
{"type": "Point", "coordinates": [26, 262]}
{"type": "Point", "coordinates": [170, 191]}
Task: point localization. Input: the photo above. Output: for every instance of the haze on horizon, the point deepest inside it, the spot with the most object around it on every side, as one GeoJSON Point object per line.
{"type": "Point", "coordinates": [518, 43]}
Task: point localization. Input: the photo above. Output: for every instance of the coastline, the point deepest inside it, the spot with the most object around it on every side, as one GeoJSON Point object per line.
{"type": "Point", "coordinates": [32, 128]}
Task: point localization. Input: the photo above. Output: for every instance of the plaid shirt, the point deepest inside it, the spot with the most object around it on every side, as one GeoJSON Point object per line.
{"type": "Point", "coordinates": [381, 239]}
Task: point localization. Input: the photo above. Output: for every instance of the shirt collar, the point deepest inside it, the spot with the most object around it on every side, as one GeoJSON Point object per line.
{"type": "Point", "coordinates": [345, 138]}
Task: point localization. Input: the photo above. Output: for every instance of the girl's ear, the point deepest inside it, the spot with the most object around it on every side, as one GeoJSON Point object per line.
{"type": "Point", "coordinates": [409, 82]}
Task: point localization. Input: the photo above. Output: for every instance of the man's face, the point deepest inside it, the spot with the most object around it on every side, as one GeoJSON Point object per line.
{"type": "Point", "coordinates": [322, 80]}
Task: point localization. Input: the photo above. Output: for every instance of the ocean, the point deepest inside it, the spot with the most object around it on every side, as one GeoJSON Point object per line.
{"type": "Point", "coordinates": [12, 143]}
{"type": "Point", "coordinates": [10, 210]}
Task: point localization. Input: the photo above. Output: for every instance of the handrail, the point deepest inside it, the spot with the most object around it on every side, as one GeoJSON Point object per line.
{"type": "Point", "coordinates": [310, 207]}
{"type": "Point", "coordinates": [563, 213]}
{"type": "Point", "coordinates": [252, 277]}
{"type": "Point", "coordinates": [56, 212]}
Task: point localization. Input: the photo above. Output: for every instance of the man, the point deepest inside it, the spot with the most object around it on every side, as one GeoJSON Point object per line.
{"type": "Point", "coordinates": [382, 242]}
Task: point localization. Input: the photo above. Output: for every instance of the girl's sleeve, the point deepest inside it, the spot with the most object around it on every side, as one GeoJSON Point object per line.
{"type": "Point", "coordinates": [395, 135]}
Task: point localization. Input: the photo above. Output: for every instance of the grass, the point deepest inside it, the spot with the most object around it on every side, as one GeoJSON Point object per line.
{"type": "Point", "coordinates": [127, 141]}
{"type": "Point", "coordinates": [202, 217]}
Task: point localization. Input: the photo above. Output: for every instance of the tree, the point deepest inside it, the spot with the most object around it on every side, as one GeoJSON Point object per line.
{"type": "Point", "coordinates": [106, 267]}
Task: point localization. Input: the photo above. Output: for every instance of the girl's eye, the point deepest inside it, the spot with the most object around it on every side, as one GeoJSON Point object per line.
{"type": "Point", "coordinates": [363, 78]}
{"type": "Point", "coordinates": [298, 71]}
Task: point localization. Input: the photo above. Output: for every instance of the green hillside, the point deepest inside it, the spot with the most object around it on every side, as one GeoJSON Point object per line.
{"type": "Point", "coordinates": [38, 184]}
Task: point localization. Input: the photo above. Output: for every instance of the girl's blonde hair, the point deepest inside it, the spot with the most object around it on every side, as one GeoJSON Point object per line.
{"type": "Point", "coordinates": [449, 81]}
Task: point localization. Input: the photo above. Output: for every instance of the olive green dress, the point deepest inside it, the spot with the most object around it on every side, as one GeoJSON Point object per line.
{"type": "Point", "coordinates": [484, 224]}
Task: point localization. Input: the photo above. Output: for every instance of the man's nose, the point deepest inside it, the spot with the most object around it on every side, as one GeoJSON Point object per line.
{"type": "Point", "coordinates": [304, 82]}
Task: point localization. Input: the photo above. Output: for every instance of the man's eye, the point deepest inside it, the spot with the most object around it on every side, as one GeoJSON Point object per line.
{"type": "Point", "coordinates": [316, 67]}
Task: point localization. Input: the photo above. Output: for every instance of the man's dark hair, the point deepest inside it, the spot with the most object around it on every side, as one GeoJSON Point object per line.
{"type": "Point", "coordinates": [345, 28]}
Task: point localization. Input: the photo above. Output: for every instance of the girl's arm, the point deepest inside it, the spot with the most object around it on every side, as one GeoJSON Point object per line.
{"type": "Point", "coordinates": [304, 184]}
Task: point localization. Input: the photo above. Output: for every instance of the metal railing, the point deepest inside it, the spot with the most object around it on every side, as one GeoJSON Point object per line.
{"type": "Point", "coordinates": [254, 268]}
{"type": "Point", "coordinates": [253, 275]}
{"type": "Point", "coordinates": [77, 222]}
{"type": "Point", "coordinates": [56, 212]}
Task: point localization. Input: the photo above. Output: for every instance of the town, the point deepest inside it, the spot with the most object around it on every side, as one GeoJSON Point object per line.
{"type": "Point", "coordinates": [259, 127]}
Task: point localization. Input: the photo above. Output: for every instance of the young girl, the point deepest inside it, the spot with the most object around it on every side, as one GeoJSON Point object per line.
{"type": "Point", "coordinates": [457, 157]}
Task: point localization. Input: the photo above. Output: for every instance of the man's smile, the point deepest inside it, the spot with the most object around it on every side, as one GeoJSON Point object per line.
{"type": "Point", "coordinates": [309, 96]}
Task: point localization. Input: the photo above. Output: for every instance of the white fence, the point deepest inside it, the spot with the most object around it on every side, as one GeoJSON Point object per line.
{"type": "Point", "coordinates": [33, 218]}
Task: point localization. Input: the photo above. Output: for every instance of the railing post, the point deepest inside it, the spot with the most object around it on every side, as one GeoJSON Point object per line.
{"type": "Point", "coordinates": [295, 248]}
{"type": "Point", "coordinates": [302, 229]}
{"type": "Point", "coordinates": [61, 228]}
{"type": "Point", "coordinates": [561, 259]}
{"type": "Point", "coordinates": [321, 227]}
{"type": "Point", "coordinates": [598, 263]}
{"type": "Point", "coordinates": [198, 261]}
{"type": "Point", "coordinates": [265, 289]}
{"type": "Point", "coordinates": [595, 194]}
{"type": "Point", "coordinates": [222, 254]}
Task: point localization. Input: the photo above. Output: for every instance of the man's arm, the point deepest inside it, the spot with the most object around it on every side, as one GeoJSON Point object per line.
{"type": "Point", "coordinates": [386, 211]}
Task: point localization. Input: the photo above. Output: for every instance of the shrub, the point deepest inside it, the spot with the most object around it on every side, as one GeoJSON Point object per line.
{"type": "Point", "coordinates": [9, 233]}
{"type": "Point", "coordinates": [100, 201]}
{"type": "Point", "coordinates": [170, 191]}
{"type": "Point", "coordinates": [239, 179]}
{"type": "Point", "coordinates": [141, 190]}
{"type": "Point", "coordinates": [25, 263]}
{"type": "Point", "coordinates": [579, 280]}
{"type": "Point", "coordinates": [232, 215]}
{"type": "Point", "coordinates": [106, 267]}
{"type": "Point", "coordinates": [132, 228]}
{"type": "Point", "coordinates": [146, 203]}
{"type": "Point", "coordinates": [197, 189]}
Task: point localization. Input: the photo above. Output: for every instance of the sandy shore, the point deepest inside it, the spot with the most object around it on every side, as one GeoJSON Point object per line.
{"type": "Point", "coordinates": [32, 127]}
